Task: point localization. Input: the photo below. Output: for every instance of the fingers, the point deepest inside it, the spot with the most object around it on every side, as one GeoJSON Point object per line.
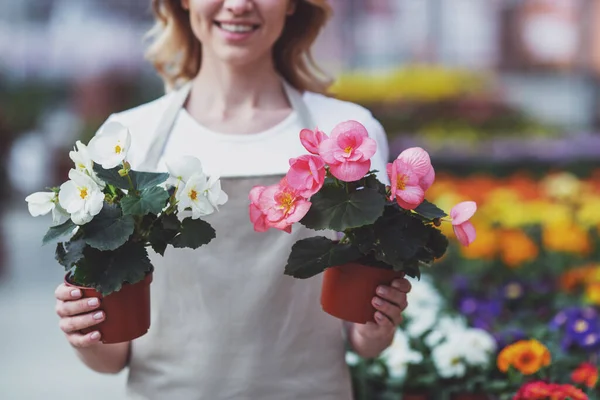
{"type": "Point", "coordinates": [81, 341]}
{"type": "Point", "coordinates": [385, 321]}
{"type": "Point", "coordinates": [402, 285]}
{"type": "Point", "coordinates": [394, 296]}
{"type": "Point", "coordinates": [79, 322]}
{"type": "Point", "coordinates": [66, 293]}
{"type": "Point", "coordinates": [75, 307]}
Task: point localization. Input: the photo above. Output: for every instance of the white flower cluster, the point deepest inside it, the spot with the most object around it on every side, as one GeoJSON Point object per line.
{"type": "Point", "coordinates": [195, 192]}
{"type": "Point", "coordinates": [82, 197]}
{"type": "Point", "coordinates": [454, 346]}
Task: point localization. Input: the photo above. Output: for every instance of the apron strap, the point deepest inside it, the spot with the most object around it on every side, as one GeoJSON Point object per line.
{"type": "Point", "coordinates": [163, 130]}
{"type": "Point", "coordinates": [167, 121]}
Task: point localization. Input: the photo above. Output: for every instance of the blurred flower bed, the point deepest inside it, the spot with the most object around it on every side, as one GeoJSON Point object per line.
{"type": "Point", "coordinates": [438, 104]}
{"type": "Point", "coordinates": [513, 316]}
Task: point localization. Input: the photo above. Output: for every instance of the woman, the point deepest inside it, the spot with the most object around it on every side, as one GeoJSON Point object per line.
{"type": "Point", "coordinates": [226, 322]}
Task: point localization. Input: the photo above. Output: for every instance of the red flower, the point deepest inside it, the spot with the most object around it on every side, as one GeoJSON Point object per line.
{"type": "Point", "coordinates": [586, 374]}
{"type": "Point", "coordinates": [540, 390]}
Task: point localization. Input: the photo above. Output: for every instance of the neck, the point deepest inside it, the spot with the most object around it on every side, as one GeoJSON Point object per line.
{"type": "Point", "coordinates": [223, 89]}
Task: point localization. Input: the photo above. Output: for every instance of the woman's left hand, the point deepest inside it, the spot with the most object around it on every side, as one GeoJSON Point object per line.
{"type": "Point", "coordinates": [390, 301]}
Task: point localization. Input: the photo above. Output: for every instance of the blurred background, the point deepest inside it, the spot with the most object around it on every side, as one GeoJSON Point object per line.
{"type": "Point", "coordinates": [504, 94]}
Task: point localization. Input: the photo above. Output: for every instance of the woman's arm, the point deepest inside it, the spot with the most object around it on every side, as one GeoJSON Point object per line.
{"type": "Point", "coordinates": [105, 358]}
{"type": "Point", "coordinates": [370, 339]}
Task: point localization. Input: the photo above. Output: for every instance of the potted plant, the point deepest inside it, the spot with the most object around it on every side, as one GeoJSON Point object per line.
{"type": "Point", "coordinates": [107, 215]}
{"type": "Point", "coordinates": [388, 231]}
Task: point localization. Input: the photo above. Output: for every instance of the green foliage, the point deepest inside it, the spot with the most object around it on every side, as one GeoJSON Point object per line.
{"type": "Point", "coordinates": [334, 207]}
{"type": "Point", "coordinates": [312, 256]}
{"type": "Point", "coordinates": [107, 271]}
{"type": "Point", "coordinates": [150, 200]}
{"type": "Point", "coordinates": [140, 180]}
{"type": "Point", "coordinates": [430, 210]}
{"type": "Point", "coordinates": [68, 254]}
{"type": "Point", "coordinates": [163, 232]}
{"type": "Point", "coordinates": [194, 233]}
{"type": "Point", "coordinates": [58, 231]}
{"type": "Point", "coordinates": [108, 230]}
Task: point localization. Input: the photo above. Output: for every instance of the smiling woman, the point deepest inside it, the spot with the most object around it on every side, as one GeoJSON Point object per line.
{"type": "Point", "coordinates": [227, 323]}
{"type": "Point", "coordinates": [176, 51]}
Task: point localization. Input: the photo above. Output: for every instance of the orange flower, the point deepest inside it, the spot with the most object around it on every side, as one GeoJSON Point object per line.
{"type": "Point", "coordinates": [586, 374]}
{"type": "Point", "coordinates": [565, 238]}
{"type": "Point", "coordinates": [516, 248]}
{"type": "Point", "coordinates": [526, 356]}
{"type": "Point", "coordinates": [485, 247]}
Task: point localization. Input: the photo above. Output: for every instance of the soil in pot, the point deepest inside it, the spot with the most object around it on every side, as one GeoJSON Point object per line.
{"type": "Point", "coordinates": [127, 311]}
{"type": "Point", "coordinates": [348, 290]}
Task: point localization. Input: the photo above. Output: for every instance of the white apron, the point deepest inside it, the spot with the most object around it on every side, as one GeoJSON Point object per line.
{"type": "Point", "coordinates": [226, 322]}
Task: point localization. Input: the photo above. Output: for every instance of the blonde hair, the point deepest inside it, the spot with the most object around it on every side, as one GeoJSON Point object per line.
{"type": "Point", "coordinates": [176, 53]}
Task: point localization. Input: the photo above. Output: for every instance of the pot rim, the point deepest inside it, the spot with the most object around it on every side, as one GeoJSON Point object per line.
{"type": "Point", "coordinates": [147, 279]}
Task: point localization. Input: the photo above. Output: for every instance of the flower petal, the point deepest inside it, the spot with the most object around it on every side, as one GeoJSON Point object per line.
{"type": "Point", "coordinates": [465, 233]}
{"type": "Point", "coordinates": [428, 179]}
{"type": "Point", "coordinates": [353, 128]}
{"type": "Point", "coordinates": [367, 148]}
{"type": "Point", "coordinates": [184, 167]}
{"type": "Point", "coordinates": [410, 197]}
{"type": "Point", "coordinates": [255, 193]}
{"type": "Point", "coordinates": [328, 150]}
{"type": "Point", "coordinates": [463, 212]}
{"type": "Point", "coordinates": [418, 159]}
{"type": "Point", "coordinates": [40, 203]}
{"type": "Point", "coordinates": [350, 171]}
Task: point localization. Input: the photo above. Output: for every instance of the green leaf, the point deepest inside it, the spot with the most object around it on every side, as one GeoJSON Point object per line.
{"type": "Point", "coordinates": [437, 243]}
{"type": "Point", "coordinates": [111, 176]}
{"type": "Point", "coordinates": [151, 200]}
{"type": "Point", "coordinates": [333, 208]}
{"type": "Point", "coordinates": [58, 231]}
{"type": "Point", "coordinates": [109, 230]}
{"type": "Point", "coordinates": [107, 271]}
{"type": "Point", "coordinates": [430, 210]}
{"type": "Point", "coordinates": [163, 233]}
{"type": "Point", "coordinates": [312, 256]}
{"type": "Point", "coordinates": [145, 180]}
{"type": "Point", "coordinates": [68, 254]}
{"type": "Point", "coordinates": [194, 233]}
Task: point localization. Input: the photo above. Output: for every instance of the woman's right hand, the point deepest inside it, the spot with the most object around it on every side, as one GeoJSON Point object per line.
{"type": "Point", "coordinates": [77, 313]}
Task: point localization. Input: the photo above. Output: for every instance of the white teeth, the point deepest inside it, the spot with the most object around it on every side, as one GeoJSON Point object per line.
{"type": "Point", "coordinates": [236, 28]}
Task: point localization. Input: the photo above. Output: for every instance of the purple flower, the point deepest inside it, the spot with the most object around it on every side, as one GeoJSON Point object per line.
{"type": "Point", "coordinates": [580, 326]}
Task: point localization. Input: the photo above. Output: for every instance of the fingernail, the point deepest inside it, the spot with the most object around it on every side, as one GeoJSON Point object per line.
{"type": "Point", "coordinates": [381, 290]}
{"type": "Point", "coordinates": [98, 315]}
{"type": "Point", "coordinates": [396, 284]}
{"type": "Point", "coordinates": [93, 302]}
{"type": "Point", "coordinates": [95, 336]}
{"type": "Point", "coordinates": [378, 316]}
{"type": "Point", "coordinates": [378, 302]}
{"type": "Point", "coordinates": [75, 293]}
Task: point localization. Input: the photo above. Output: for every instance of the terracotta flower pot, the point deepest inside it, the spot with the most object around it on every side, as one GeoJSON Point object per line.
{"type": "Point", "coordinates": [127, 311]}
{"type": "Point", "coordinates": [348, 290]}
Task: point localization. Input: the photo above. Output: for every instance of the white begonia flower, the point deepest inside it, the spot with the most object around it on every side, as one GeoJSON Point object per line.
{"type": "Point", "coordinates": [417, 326]}
{"type": "Point", "coordinates": [399, 355]}
{"type": "Point", "coordinates": [41, 203]}
{"type": "Point", "coordinates": [110, 146]}
{"type": "Point", "coordinates": [81, 197]}
{"type": "Point", "coordinates": [423, 296]}
{"type": "Point", "coordinates": [214, 194]}
{"type": "Point", "coordinates": [84, 163]}
{"type": "Point", "coordinates": [192, 196]}
{"type": "Point", "coordinates": [479, 346]}
{"type": "Point", "coordinates": [182, 168]}
{"type": "Point", "coordinates": [446, 325]}
{"type": "Point", "coordinates": [448, 359]}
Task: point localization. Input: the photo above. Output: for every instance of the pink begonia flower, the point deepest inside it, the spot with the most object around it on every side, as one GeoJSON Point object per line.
{"type": "Point", "coordinates": [348, 151]}
{"type": "Point", "coordinates": [463, 228]}
{"type": "Point", "coordinates": [282, 206]}
{"type": "Point", "coordinates": [411, 174]}
{"type": "Point", "coordinates": [306, 174]}
{"type": "Point", "coordinates": [312, 139]}
{"type": "Point", "coordinates": [257, 217]}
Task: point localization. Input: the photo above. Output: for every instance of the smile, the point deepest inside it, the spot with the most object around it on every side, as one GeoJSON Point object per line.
{"type": "Point", "coordinates": [236, 28]}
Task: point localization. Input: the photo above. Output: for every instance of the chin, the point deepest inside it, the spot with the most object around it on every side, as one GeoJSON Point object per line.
{"type": "Point", "coordinates": [241, 57]}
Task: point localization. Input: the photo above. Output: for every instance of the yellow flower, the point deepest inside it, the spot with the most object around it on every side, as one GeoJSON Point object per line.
{"type": "Point", "coordinates": [588, 214]}
{"type": "Point", "coordinates": [562, 186]}
{"type": "Point", "coordinates": [566, 238]}
{"type": "Point", "coordinates": [485, 247]}
{"type": "Point", "coordinates": [526, 356]}
{"type": "Point", "coordinates": [592, 293]}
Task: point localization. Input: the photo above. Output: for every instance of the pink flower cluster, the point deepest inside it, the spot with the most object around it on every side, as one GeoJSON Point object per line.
{"type": "Point", "coordinates": [347, 153]}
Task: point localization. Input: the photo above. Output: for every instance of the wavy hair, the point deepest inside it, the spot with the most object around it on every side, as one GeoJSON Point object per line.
{"type": "Point", "coordinates": [176, 53]}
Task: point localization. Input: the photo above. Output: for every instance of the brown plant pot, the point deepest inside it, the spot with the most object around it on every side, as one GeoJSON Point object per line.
{"type": "Point", "coordinates": [127, 312]}
{"type": "Point", "coordinates": [348, 289]}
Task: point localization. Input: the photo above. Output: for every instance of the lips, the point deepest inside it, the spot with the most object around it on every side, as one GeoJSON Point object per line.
{"type": "Point", "coordinates": [237, 27]}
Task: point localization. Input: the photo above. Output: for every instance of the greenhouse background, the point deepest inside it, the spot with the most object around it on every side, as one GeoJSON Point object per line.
{"type": "Point", "coordinates": [504, 94]}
